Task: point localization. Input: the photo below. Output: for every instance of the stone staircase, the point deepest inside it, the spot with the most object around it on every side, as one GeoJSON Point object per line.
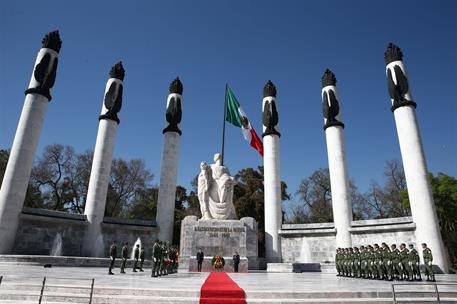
{"type": "Point", "coordinates": [27, 291]}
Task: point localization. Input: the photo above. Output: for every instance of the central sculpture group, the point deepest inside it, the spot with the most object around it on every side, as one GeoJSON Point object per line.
{"type": "Point", "coordinates": [215, 191]}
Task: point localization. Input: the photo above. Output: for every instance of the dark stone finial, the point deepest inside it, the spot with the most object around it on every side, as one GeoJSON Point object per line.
{"type": "Point", "coordinates": [328, 78]}
{"type": "Point", "coordinates": [52, 41]}
{"type": "Point", "coordinates": [269, 89]}
{"type": "Point", "coordinates": [117, 71]}
{"type": "Point", "coordinates": [176, 86]}
{"type": "Point", "coordinates": [392, 53]}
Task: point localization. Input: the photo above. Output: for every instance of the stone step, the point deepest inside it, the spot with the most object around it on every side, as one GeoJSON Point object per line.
{"type": "Point", "coordinates": [147, 292]}
{"type": "Point", "coordinates": [24, 295]}
{"type": "Point", "coordinates": [127, 299]}
{"type": "Point", "coordinates": [352, 300]}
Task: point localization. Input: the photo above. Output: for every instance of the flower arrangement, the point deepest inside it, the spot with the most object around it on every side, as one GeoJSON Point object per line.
{"type": "Point", "coordinates": [218, 262]}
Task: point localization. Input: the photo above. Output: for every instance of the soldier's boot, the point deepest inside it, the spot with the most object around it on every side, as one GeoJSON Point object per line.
{"type": "Point", "coordinates": [433, 278]}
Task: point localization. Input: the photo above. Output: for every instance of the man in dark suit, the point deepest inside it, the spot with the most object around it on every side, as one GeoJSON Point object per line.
{"type": "Point", "coordinates": [200, 258]}
{"type": "Point", "coordinates": [236, 261]}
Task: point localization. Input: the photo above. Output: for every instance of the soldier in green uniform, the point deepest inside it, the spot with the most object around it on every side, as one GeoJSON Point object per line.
{"type": "Point", "coordinates": [347, 262]}
{"type": "Point", "coordinates": [414, 260]}
{"type": "Point", "coordinates": [337, 262]}
{"type": "Point", "coordinates": [379, 264]}
{"type": "Point", "coordinates": [428, 261]}
{"type": "Point", "coordinates": [112, 257]}
{"type": "Point", "coordinates": [404, 252]}
{"type": "Point", "coordinates": [357, 263]}
{"type": "Point", "coordinates": [351, 262]}
{"type": "Point", "coordinates": [370, 259]}
{"type": "Point", "coordinates": [376, 258]}
{"type": "Point", "coordinates": [156, 253]}
{"type": "Point", "coordinates": [396, 263]}
{"type": "Point", "coordinates": [163, 259]}
{"type": "Point", "coordinates": [171, 253]}
{"type": "Point", "coordinates": [136, 256]}
{"type": "Point", "coordinates": [387, 262]}
{"type": "Point", "coordinates": [124, 253]}
{"type": "Point", "coordinates": [363, 262]}
{"type": "Point", "coordinates": [141, 258]}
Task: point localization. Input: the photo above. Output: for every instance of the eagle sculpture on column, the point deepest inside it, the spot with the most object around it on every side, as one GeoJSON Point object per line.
{"type": "Point", "coordinates": [173, 114]}
{"type": "Point", "coordinates": [113, 97]}
{"type": "Point", "coordinates": [46, 70]}
{"type": "Point", "coordinates": [399, 90]}
{"type": "Point", "coordinates": [330, 104]}
{"type": "Point", "coordinates": [270, 116]}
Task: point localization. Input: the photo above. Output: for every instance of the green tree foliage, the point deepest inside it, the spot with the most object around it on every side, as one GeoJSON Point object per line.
{"type": "Point", "coordinates": [248, 199]}
{"type": "Point", "coordinates": [127, 180]}
{"type": "Point", "coordinates": [444, 188]}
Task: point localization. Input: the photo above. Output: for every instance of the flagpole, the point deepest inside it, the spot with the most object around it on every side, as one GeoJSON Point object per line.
{"type": "Point", "coordinates": [223, 124]}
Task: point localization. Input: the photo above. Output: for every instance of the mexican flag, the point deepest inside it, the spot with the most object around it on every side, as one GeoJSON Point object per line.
{"type": "Point", "coordinates": [236, 116]}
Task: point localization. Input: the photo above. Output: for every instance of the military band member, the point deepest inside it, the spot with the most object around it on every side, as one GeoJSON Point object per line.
{"type": "Point", "coordinates": [428, 261]}
{"type": "Point", "coordinates": [414, 260]}
{"type": "Point", "coordinates": [124, 253]}
{"type": "Point", "coordinates": [141, 258]}
{"type": "Point", "coordinates": [112, 257]}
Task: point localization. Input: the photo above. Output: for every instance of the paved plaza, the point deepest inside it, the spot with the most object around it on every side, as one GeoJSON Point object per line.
{"type": "Point", "coordinates": [260, 287]}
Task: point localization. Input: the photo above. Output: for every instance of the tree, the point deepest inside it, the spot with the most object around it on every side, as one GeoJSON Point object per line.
{"type": "Point", "coordinates": [145, 204]}
{"type": "Point", "coordinates": [444, 188]}
{"type": "Point", "coordinates": [127, 180]}
{"type": "Point", "coordinates": [4, 156]}
{"type": "Point", "coordinates": [390, 200]}
{"type": "Point", "coordinates": [248, 199]}
{"type": "Point", "coordinates": [315, 196]}
{"type": "Point", "coordinates": [55, 175]}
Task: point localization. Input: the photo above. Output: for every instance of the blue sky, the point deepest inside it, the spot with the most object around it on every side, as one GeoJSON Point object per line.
{"type": "Point", "coordinates": [244, 43]}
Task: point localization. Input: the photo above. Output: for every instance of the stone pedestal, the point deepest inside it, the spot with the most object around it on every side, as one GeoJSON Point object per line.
{"type": "Point", "coordinates": [219, 237]}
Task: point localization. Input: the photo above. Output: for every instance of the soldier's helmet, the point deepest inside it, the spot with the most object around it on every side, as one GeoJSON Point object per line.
{"type": "Point", "coordinates": [376, 246]}
{"type": "Point", "coordinates": [411, 246]}
{"type": "Point", "coordinates": [424, 245]}
{"type": "Point", "coordinates": [394, 246]}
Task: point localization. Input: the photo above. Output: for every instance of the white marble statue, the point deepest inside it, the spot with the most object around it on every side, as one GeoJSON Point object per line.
{"type": "Point", "coordinates": [215, 191]}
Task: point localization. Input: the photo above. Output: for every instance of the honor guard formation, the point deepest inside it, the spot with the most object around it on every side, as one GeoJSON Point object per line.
{"type": "Point", "coordinates": [164, 258]}
{"type": "Point", "coordinates": [384, 263]}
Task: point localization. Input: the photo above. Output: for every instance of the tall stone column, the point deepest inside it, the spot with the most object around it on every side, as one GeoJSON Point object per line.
{"type": "Point", "coordinates": [169, 164]}
{"type": "Point", "coordinates": [272, 177]}
{"type": "Point", "coordinates": [103, 155]}
{"type": "Point", "coordinates": [412, 153]}
{"type": "Point", "coordinates": [339, 181]}
{"type": "Point", "coordinates": [19, 167]}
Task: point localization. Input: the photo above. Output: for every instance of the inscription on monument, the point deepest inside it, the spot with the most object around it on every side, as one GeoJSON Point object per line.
{"type": "Point", "coordinates": [224, 232]}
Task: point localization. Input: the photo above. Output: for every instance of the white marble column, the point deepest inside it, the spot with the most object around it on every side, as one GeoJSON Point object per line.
{"type": "Point", "coordinates": [419, 191]}
{"type": "Point", "coordinates": [339, 181]}
{"type": "Point", "coordinates": [169, 164]}
{"type": "Point", "coordinates": [272, 176]}
{"type": "Point", "coordinates": [19, 167]}
{"type": "Point", "coordinates": [101, 163]}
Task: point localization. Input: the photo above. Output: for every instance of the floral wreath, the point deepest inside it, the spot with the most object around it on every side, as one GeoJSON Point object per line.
{"type": "Point", "coordinates": [218, 262]}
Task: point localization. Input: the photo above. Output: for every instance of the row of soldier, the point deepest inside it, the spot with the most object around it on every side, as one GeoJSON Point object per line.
{"type": "Point", "coordinates": [384, 263]}
{"type": "Point", "coordinates": [164, 258]}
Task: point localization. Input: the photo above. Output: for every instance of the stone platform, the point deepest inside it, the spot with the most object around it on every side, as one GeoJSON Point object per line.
{"type": "Point", "coordinates": [22, 284]}
{"type": "Point", "coordinates": [219, 237]}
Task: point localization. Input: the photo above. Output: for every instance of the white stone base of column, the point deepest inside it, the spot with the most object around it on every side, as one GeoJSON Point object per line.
{"type": "Point", "coordinates": [420, 194]}
{"type": "Point", "coordinates": [167, 187]}
{"type": "Point", "coordinates": [272, 191]}
{"type": "Point", "coordinates": [339, 182]}
{"type": "Point", "coordinates": [98, 184]}
{"type": "Point", "coordinates": [17, 174]}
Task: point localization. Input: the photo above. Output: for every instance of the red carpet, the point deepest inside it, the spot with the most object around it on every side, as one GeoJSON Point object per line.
{"type": "Point", "coordinates": [219, 288]}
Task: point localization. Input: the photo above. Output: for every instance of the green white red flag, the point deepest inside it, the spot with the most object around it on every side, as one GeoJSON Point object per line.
{"type": "Point", "coordinates": [237, 117]}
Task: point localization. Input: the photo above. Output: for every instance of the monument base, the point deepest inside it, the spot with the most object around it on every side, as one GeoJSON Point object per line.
{"type": "Point", "coordinates": [219, 237]}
